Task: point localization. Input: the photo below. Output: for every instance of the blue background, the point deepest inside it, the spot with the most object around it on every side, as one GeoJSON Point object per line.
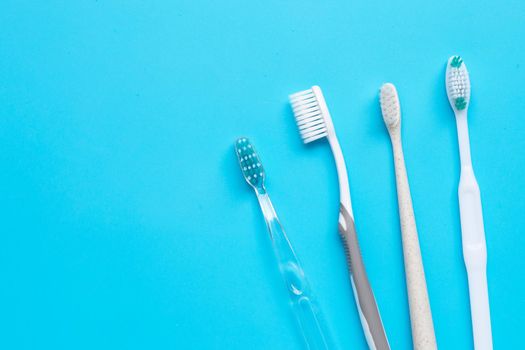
{"type": "Point", "coordinates": [125, 222]}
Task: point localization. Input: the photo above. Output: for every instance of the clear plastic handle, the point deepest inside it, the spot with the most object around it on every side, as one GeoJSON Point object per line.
{"type": "Point", "coordinates": [308, 315]}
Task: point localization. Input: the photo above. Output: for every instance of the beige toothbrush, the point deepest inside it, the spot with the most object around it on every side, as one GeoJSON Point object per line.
{"type": "Point", "coordinates": [423, 336]}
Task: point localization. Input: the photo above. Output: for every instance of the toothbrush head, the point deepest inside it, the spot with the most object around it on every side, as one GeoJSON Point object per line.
{"type": "Point", "coordinates": [458, 84]}
{"type": "Point", "coordinates": [251, 166]}
{"type": "Point", "coordinates": [390, 108]}
{"type": "Point", "coordinates": [311, 114]}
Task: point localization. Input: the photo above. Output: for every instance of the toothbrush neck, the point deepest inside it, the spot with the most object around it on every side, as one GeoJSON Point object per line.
{"type": "Point", "coordinates": [463, 139]}
{"type": "Point", "coordinates": [397, 146]}
{"type": "Point", "coordinates": [266, 204]}
{"type": "Point", "coordinates": [260, 190]}
{"type": "Point", "coordinates": [395, 134]}
{"type": "Point", "coordinates": [342, 175]}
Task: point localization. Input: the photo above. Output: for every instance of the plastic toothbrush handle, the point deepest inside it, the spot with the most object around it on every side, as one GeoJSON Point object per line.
{"type": "Point", "coordinates": [305, 308]}
{"type": "Point", "coordinates": [366, 303]}
{"type": "Point", "coordinates": [475, 255]}
{"type": "Point", "coordinates": [423, 336]}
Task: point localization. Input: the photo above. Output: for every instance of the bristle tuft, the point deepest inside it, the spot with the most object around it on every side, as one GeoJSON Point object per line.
{"type": "Point", "coordinates": [458, 83]}
{"type": "Point", "coordinates": [308, 115]}
{"type": "Point", "coordinates": [249, 161]}
{"type": "Point", "coordinates": [390, 107]}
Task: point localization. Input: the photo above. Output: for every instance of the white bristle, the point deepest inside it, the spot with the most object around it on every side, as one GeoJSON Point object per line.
{"type": "Point", "coordinates": [308, 115]}
{"type": "Point", "coordinates": [458, 83]}
{"type": "Point", "coordinates": [390, 105]}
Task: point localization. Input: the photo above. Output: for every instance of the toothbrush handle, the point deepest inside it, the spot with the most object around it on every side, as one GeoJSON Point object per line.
{"type": "Point", "coordinates": [479, 306]}
{"type": "Point", "coordinates": [475, 255]}
{"type": "Point", "coordinates": [423, 336]}
{"type": "Point", "coordinates": [366, 303]}
{"type": "Point", "coordinates": [305, 308]}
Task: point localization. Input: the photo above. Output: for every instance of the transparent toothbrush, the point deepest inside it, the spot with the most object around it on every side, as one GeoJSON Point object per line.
{"type": "Point", "coordinates": [305, 308]}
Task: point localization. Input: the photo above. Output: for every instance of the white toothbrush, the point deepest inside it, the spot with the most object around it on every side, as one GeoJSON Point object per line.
{"type": "Point", "coordinates": [314, 122]}
{"type": "Point", "coordinates": [423, 336]}
{"type": "Point", "coordinates": [472, 229]}
{"type": "Point", "coordinates": [314, 331]}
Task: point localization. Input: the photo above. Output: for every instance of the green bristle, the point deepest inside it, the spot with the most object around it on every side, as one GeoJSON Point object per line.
{"type": "Point", "coordinates": [460, 103]}
{"type": "Point", "coordinates": [458, 84]}
{"type": "Point", "coordinates": [456, 62]}
{"type": "Point", "coordinates": [249, 162]}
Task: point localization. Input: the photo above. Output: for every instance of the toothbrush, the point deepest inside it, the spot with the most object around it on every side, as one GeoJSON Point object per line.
{"type": "Point", "coordinates": [314, 122]}
{"type": "Point", "coordinates": [423, 336]}
{"type": "Point", "coordinates": [471, 216]}
{"type": "Point", "coordinates": [307, 312]}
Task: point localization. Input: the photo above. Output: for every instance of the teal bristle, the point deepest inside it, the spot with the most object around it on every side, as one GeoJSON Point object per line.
{"type": "Point", "coordinates": [458, 83]}
{"type": "Point", "coordinates": [249, 162]}
{"type": "Point", "coordinates": [456, 61]}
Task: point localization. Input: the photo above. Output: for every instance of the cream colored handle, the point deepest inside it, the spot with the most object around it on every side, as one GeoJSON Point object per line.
{"type": "Point", "coordinates": [423, 336]}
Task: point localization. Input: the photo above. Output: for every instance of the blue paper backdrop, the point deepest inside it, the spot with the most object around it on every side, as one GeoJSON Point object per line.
{"type": "Point", "coordinates": [125, 223]}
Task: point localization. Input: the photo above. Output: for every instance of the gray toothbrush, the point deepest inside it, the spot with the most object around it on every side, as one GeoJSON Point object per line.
{"type": "Point", "coordinates": [314, 122]}
{"type": "Point", "coordinates": [306, 310]}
